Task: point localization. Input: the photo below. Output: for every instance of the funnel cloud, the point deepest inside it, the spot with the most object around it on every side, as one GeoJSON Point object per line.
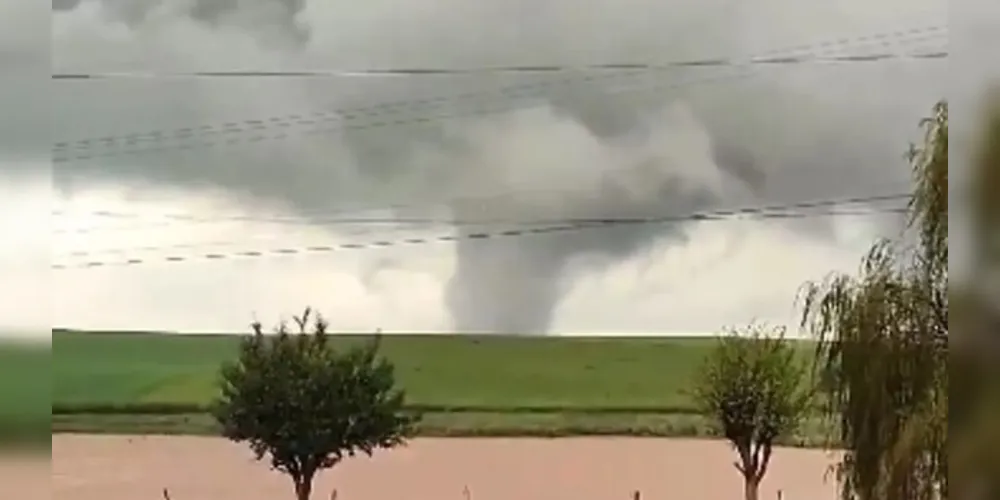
{"type": "Point", "coordinates": [651, 144]}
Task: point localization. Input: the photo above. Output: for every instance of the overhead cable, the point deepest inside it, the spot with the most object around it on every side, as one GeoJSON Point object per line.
{"type": "Point", "coordinates": [497, 70]}
{"type": "Point", "coordinates": [284, 237]}
{"type": "Point", "coordinates": [784, 211]}
{"type": "Point", "coordinates": [346, 216]}
{"type": "Point", "coordinates": [209, 136]}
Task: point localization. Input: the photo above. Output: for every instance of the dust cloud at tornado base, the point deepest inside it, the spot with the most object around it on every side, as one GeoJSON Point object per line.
{"type": "Point", "coordinates": [582, 149]}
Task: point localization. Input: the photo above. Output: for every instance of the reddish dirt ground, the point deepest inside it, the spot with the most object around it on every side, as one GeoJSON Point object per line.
{"type": "Point", "coordinates": [25, 477]}
{"type": "Point", "coordinates": [198, 468]}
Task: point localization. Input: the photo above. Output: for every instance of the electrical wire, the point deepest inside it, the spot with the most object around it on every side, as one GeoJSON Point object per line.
{"type": "Point", "coordinates": [313, 218]}
{"type": "Point", "coordinates": [218, 243]}
{"type": "Point", "coordinates": [885, 39]}
{"type": "Point", "coordinates": [86, 149]}
{"type": "Point", "coordinates": [247, 141]}
{"type": "Point", "coordinates": [337, 217]}
{"type": "Point", "coordinates": [495, 70]}
{"type": "Point", "coordinates": [701, 63]}
{"type": "Point", "coordinates": [784, 211]}
{"type": "Point", "coordinates": [348, 216]}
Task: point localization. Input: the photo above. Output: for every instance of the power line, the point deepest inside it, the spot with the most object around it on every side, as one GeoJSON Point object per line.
{"type": "Point", "coordinates": [205, 244]}
{"type": "Point", "coordinates": [338, 217]}
{"type": "Point", "coordinates": [313, 218]}
{"type": "Point", "coordinates": [445, 238]}
{"type": "Point", "coordinates": [85, 148]}
{"type": "Point", "coordinates": [310, 216]}
{"type": "Point", "coordinates": [884, 39]}
{"type": "Point", "coordinates": [328, 222]}
{"type": "Point", "coordinates": [352, 113]}
{"type": "Point", "coordinates": [785, 211]}
{"type": "Point", "coordinates": [497, 70]}
{"type": "Point", "coordinates": [339, 125]}
{"type": "Point", "coordinates": [256, 139]}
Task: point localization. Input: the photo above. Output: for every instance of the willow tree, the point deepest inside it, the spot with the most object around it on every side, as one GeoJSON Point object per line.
{"type": "Point", "coordinates": [883, 345]}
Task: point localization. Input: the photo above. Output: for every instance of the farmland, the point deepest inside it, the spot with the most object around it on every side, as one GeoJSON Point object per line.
{"type": "Point", "coordinates": [467, 385]}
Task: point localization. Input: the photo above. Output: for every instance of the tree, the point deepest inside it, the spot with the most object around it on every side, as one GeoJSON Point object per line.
{"type": "Point", "coordinates": [883, 345]}
{"type": "Point", "coordinates": [306, 405]}
{"type": "Point", "coordinates": [751, 386]}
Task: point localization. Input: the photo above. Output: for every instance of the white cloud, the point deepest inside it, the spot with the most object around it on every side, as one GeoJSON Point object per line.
{"type": "Point", "coordinates": [727, 273]}
{"type": "Point", "coordinates": [25, 286]}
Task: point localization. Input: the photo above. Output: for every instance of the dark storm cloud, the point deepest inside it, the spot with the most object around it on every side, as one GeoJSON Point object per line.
{"type": "Point", "coordinates": [774, 137]}
{"type": "Point", "coordinates": [273, 21]}
{"type": "Point", "coordinates": [24, 67]}
{"type": "Point", "coordinates": [65, 4]}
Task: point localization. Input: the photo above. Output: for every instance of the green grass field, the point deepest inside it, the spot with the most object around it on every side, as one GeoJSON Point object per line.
{"type": "Point", "coordinates": [24, 394]}
{"type": "Point", "coordinates": [468, 384]}
{"type": "Point", "coordinates": [449, 372]}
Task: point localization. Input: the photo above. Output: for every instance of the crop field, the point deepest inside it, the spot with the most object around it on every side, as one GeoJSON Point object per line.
{"type": "Point", "coordinates": [467, 385]}
{"type": "Point", "coordinates": [449, 372]}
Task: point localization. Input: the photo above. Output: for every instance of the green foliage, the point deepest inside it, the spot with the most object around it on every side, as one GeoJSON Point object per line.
{"type": "Point", "coordinates": [929, 205]}
{"type": "Point", "coordinates": [752, 387]}
{"type": "Point", "coordinates": [883, 347]}
{"type": "Point", "coordinates": [306, 405]}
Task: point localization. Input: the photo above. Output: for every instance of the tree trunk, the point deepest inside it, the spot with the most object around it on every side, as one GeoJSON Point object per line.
{"type": "Point", "coordinates": [303, 488]}
{"type": "Point", "coordinates": [751, 488]}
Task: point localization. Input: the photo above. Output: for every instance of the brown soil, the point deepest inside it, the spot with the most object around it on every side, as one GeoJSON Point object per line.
{"type": "Point", "coordinates": [198, 468]}
{"type": "Point", "coordinates": [25, 477]}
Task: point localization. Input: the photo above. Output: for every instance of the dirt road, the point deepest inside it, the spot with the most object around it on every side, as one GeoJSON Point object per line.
{"type": "Point", "coordinates": [193, 468]}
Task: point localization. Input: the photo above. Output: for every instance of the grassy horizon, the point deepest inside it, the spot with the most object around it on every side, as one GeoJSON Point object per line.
{"type": "Point", "coordinates": [471, 384]}
{"type": "Point", "coordinates": [404, 333]}
{"type": "Point", "coordinates": [101, 371]}
{"type": "Point", "coordinates": [813, 434]}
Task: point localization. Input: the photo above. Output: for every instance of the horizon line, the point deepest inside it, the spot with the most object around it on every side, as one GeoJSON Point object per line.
{"type": "Point", "coordinates": [413, 333]}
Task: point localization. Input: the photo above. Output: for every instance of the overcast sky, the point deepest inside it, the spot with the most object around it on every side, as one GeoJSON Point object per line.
{"type": "Point", "coordinates": [517, 151]}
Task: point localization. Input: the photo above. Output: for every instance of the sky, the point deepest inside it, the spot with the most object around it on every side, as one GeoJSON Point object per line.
{"type": "Point", "coordinates": [517, 151]}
